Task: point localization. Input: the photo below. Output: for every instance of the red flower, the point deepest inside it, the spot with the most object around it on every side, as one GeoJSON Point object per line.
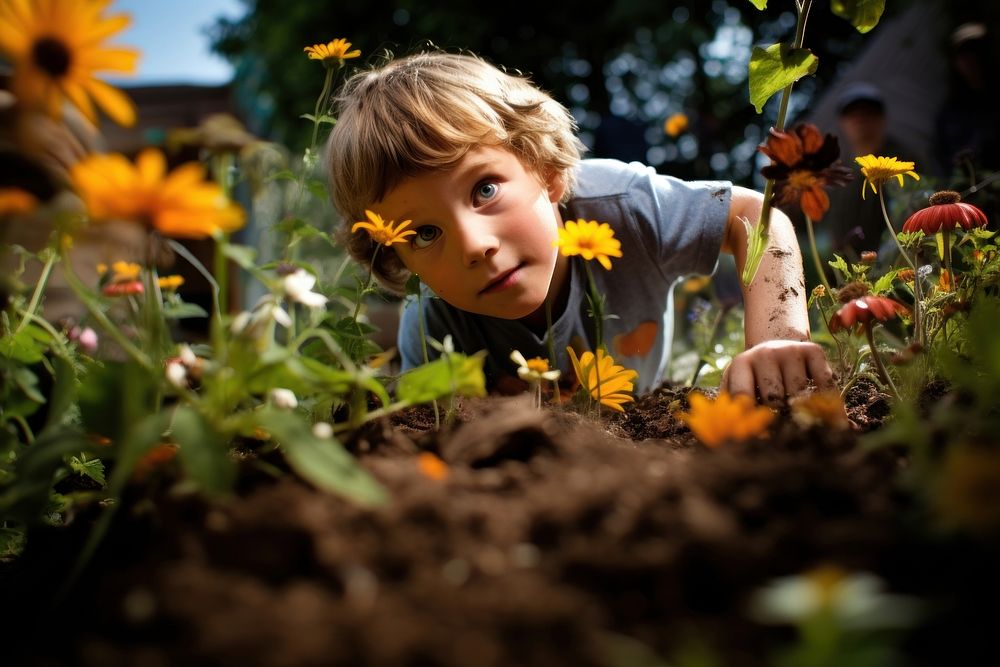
{"type": "Point", "coordinates": [124, 288]}
{"type": "Point", "coordinates": [945, 213]}
{"type": "Point", "coordinates": [804, 163]}
{"type": "Point", "coordinates": [863, 310]}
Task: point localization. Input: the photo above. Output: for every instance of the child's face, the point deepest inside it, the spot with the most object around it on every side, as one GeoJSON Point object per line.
{"type": "Point", "coordinates": [485, 233]}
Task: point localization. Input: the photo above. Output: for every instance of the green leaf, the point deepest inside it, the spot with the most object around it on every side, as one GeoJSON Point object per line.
{"type": "Point", "coordinates": [323, 118]}
{"type": "Point", "coordinates": [244, 256]}
{"type": "Point", "coordinates": [776, 67]}
{"type": "Point", "coordinates": [863, 14]}
{"type": "Point", "coordinates": [413, 285]}
{"type": "Point", "coordinates": [321, 461]}
{"type": "Point", "coordinates": [318, 189]}
{"type": "Point", "coordinates": [25, 346]}
{"type": "Point", "coordinates": [203, 451]}
{"type": "Point", "coordinates": [451, 374]}
{"type": "Point", "coordinates": [183, 310]}
{"type": "Point", "coordinates": [283, 175]}
{"type": "Point", "coordinates": [92, 468]}
{"type": "Point", "coordinates": [27, 496]}
{"type": "Point", "coordinates": [759, 4]}
{"type": "Point", "coordinates": [840, 264]}
{"type": "Point", "coordinates": [884, 284]}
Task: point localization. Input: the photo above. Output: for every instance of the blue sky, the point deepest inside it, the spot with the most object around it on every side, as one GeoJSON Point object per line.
{"type": "Point", "coordinates": [170, 34]}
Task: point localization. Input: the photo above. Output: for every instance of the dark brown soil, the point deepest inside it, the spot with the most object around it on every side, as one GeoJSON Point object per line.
{"type": "Point", "coordinates": [550, 534]}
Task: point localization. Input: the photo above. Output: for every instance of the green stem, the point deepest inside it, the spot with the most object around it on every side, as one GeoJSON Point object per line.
{"type": "Point", "coordinates": [946, 239]}
{"type": "Point", "coordinates": [321, 102]}
{"type": "Point", "coordinates": [550, 342]}
{"type": "Point", "coordinates": [815, 255]}
{"type": "Point", "coordinates": [597, 308]}
{"type": "Point", "coordinates": [918, 328]}
{"type": "Point", "coordinates": [877, 360]}
{"type": "Point", "coordinates": [423, 347]}
{"type": "Point", "coordinates": [757, 243]}
{"type": "Point", "coordinates": [217, 333]}
{"type": "Point", "coordinates": [36, 296]}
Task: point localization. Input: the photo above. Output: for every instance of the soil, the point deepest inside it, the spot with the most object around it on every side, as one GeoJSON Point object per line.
{"type": "Point", "coordinates": [545, 539]}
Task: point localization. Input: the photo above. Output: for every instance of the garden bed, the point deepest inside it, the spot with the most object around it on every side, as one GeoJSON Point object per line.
{"type": "Point", "coordinates": [545, 538]}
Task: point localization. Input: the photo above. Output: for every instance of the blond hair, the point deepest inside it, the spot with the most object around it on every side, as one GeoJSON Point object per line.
{"type": "Point", "coordinates": [423, 113]}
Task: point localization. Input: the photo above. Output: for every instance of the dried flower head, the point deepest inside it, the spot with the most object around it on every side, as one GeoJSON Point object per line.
{"type": "Point", "coordinates": [946, 212]}
{"type": "Point", "coordinates": [851, 291]}
{"type": "Point", "coordinates": [804, 163]}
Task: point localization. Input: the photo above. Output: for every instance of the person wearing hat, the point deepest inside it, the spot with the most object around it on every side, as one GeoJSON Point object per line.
{"type": "Point", "coordinates": [854, 224]}
{"type": "Point", "coordinates": [968, 122]}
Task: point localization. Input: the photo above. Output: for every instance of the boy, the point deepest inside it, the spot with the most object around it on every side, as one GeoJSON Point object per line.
{"type": "Point", "coordinates": [488, 167]}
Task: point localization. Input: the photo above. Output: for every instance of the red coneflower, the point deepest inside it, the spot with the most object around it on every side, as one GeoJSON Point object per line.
{"type": "Point", "coordinates": [860, 313]}
{"type": "Point", "coordinates": [946, 212]}
{"type": "Point", "coordinates": [805, 162]}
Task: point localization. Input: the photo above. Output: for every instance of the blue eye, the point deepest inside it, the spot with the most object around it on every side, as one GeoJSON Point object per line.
{"type": "Point", "coordinates": [485, 191]}
{"type": "Point", "coordinates": [426, 235]}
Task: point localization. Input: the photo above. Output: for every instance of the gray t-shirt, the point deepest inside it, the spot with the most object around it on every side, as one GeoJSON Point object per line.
{"type": "Point", "coordinates": [668, 228]}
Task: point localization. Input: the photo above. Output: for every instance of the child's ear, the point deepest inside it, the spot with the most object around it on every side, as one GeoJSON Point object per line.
{"type": "Point", "coordinates": [555, 183]}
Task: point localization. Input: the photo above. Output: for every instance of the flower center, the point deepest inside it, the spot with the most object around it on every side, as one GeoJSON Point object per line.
{"type": "Point", "coordinates": [945, 197]}
{"type": "Point", "coordinates": [538, 365]}
{"type": "Point", "coordinates": [52, 56]}
{"type": "Point", "coordinates": [801, 179]}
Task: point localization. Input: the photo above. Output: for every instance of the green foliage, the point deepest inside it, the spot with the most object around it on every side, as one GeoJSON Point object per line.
{"type": "Point", "coordinates": [774, 68]}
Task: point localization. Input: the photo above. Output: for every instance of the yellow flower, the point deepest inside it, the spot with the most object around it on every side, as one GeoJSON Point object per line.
{"type": "Point", "coordinates": [878, 170]}
{"type": "Point", "coordinates": [331, 53]}
{"type": "Point", "coordinates": [820, 408]}
{"type": "Point", "coordinates": [56, 46]}
{"type": "Point", "coordinates": [729, 417]}
{"type": "Point", "coordinates": [590, 240]}
{"type": "Point", "coordinates": [384, 232]}
{"type": "Point", "coordinates": [179, 204]}
{"type": "Point", "coordinates": [171, 283]}
{"type": "Point", "coordinates": [615, 381]}
{"type": "Point", "coordinates": [16, 200]}
{"type": "Point", "coordinates": [676, 125]}
{"type": "Point", "coordinates": [121, 271]}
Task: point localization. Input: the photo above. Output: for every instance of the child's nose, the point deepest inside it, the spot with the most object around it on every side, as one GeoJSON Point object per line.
{"type": "Point", "coordinates": [478, 242]}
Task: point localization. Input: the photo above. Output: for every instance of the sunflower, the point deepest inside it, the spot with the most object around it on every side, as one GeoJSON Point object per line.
{"type": "Point", "coordinates": [878, 170]}
{"type": "Point", "coordinates": [56, 46]}
{"type": "Point", "coordinates": [384, 232]}
{"type": "Point", "coordinates": [590, 240]}
{"type": "Point", "coordinates": [179, 204]}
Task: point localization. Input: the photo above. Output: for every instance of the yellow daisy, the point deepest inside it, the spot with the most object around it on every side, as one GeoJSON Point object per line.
{"type": "Point", "coordinates": [171, 283]}
{"type": "Point", "coordinates": [590, 240]}
{"type": "Point", "coordinates": [730, 417]}
{"type": "Point", "coordinates": [56, 47]}
{"type": "Point", "coordinates": [383, 232]}
{"type": "Point", "coordinates": [614, 382]}
{"type": "Point", "coordinates": [179, 204]}
{"type": "Point", "coordinates": [878, 170]}
{"type": "Point", "coordinates": [332, 53]}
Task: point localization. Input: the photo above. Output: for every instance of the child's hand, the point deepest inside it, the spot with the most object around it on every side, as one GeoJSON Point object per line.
{"type": "Point", "coordinates": [777, 369]}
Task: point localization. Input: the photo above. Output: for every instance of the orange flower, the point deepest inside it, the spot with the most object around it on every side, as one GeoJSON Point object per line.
{"type": "Point", "coordinates": [433, 467]}
{"type": "Point", "coordinates": [676, 125]}
{"type": "Point", "coordinates": [730, 417]}
{"type": "Point", "coordinates": [15, 200]}
{"type": "Point", "coordinates": [384, 232]}
{"type": "Point", "coordinates": [804, 163]}
{"type": "Point", "coordinates": [332, 53]}
{"type": "Point", "coordinates": [179, 204]}
{"type": "Point", "coordinates": [820, 408]}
